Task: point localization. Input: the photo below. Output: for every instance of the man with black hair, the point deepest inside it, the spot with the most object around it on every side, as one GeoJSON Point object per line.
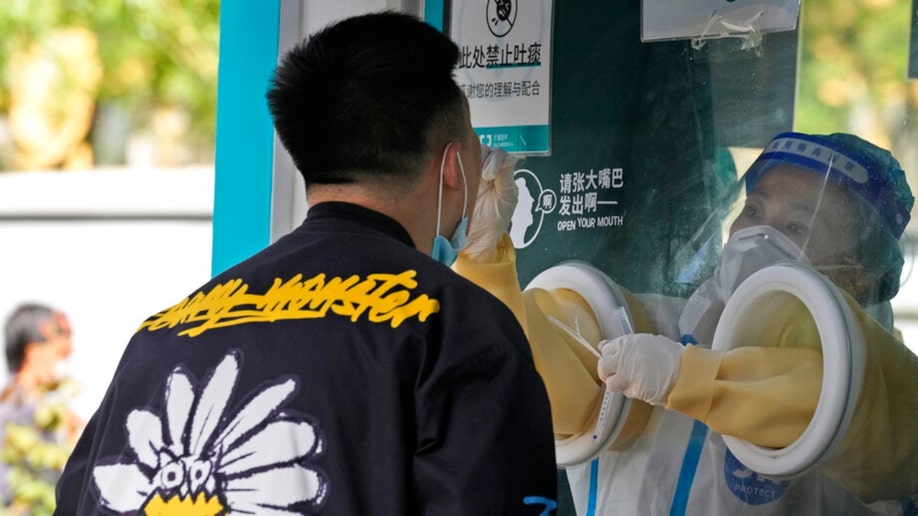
{"type": "Point", "coordinates": [37, 426]}
{"type": "Point", "coordinates": [341, 370]}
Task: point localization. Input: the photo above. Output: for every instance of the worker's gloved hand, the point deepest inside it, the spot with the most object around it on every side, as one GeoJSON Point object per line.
{"type": "Point", "coordinates": [497, 197]}
{"type": "Point", "coordinates": [641, 366]}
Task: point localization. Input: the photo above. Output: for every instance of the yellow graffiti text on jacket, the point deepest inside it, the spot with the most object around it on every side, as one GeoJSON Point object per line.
{"type": "Point", "coordinates": [382, 297]}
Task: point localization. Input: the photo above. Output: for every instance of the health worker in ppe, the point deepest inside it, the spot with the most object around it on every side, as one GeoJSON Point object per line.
{"type": "Point", "coordinates": [834, 205]}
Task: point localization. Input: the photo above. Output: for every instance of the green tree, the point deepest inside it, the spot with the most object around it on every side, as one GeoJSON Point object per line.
{"type": "Point", "coordinates": [852, 77]}
{"type": "Point", "coordinates": [156, 54]}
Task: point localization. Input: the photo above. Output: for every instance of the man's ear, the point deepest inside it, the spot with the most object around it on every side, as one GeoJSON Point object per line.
{"type": "Point", "coordinates": [48, 329]}
{"type": "Point", "coordinates": [452, 174]}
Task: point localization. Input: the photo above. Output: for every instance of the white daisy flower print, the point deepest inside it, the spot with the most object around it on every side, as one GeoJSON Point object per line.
{"type": "Point", "coordinates": [198, 458]}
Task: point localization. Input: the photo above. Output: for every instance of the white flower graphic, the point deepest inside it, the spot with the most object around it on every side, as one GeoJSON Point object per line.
{"type": "Point", "coordinates": [196, 459]}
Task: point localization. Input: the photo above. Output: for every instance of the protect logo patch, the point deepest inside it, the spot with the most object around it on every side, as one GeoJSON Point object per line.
{"type": "Point", "coordinates": [749, 486]}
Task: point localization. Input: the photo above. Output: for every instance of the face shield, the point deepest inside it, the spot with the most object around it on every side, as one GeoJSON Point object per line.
{"type": "Point", "coordinates": [835, 202]}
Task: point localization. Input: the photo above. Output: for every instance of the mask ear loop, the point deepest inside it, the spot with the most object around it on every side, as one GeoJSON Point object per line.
{"type": "Point", "coordinates": [465, 188]}
{"type": "Point", "coordinates": [440, 193]}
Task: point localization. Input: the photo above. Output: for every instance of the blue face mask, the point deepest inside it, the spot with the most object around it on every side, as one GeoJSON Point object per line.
{"type": "Point", "coordinates": [446, 251]}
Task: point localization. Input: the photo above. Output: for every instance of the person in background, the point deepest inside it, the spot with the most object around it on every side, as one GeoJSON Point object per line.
{"type": "Point", "coordinates": [37, 427]}
{"type": "Point", "coordinates": [835, 204]}
{"type": "Point", "coordinates": [344, 369]}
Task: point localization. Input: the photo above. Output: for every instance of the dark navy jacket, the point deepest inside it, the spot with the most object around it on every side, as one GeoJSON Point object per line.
{"type": "Point", "coordinates": [339, 371]}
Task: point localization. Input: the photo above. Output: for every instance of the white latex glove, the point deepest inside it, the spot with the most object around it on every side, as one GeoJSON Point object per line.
{"type": "Point", "coordinates": [497, 197]}
{"type": "Point", "coordinates": [641, 366]}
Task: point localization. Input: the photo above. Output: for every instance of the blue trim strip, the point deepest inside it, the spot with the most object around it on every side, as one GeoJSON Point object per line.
{"type": "Point", "coordinates": [691, 458]}
{"type": "Point", "coordinates": [689, 467]}
{"type": "Point", "coordinates": [433, 13]}
{"type": "Point", "coordinates": [594, 481]}
{"type": "Point", "coordinates": [244, 153]}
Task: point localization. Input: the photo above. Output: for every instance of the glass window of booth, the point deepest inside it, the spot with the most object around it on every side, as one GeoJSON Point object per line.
{"type": "Point", "coordinates": [647, 180]}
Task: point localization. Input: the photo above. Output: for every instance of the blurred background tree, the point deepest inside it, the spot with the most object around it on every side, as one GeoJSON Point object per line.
{"type": "Point", "coordinates": [152, 101]}
{"type": "Point", "coordinates": [853, 74]}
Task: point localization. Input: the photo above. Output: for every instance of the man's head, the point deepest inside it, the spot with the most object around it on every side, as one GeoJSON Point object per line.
{"type": "Point", "coordinates": [842, 200]}
{"type": "Point", "coordinates": [371, 98]}
{"type": "Point", "coordinates": [38, 338]}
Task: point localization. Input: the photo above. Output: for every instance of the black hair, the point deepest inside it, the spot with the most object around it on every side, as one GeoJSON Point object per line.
{"type": "Point", "coordinates": [372, 94]}
{"type": "Point", "coordinates": [22, 328]}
